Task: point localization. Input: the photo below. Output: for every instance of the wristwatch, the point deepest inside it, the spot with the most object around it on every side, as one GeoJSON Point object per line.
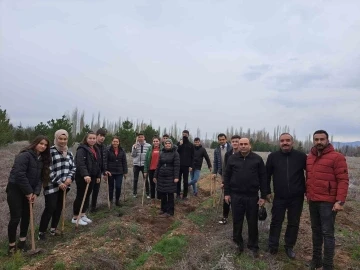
{"type": "Point", "coordinates": [341, 203]}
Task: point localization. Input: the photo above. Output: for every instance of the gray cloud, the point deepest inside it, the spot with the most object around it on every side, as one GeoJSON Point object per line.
{"type": "Point", "coordinates": [204, 65]}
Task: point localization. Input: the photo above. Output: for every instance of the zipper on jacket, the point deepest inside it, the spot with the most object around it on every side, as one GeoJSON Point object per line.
{"type": "Point", "coordinates": [287, 172]}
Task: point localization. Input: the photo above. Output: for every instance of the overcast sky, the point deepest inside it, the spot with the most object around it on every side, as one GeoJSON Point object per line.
{"type": "Point", "coordinates": [207, 64]}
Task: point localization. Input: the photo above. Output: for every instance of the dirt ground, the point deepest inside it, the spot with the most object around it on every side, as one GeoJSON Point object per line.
{"type": "Point", "coordinates": [123, 234]}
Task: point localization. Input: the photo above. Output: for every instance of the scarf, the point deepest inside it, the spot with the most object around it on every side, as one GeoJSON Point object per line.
{"type": "Point", "coordinates": [61, 149]}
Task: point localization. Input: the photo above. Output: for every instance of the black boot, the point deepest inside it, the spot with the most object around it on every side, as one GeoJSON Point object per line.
{"type": "Point", "coordinates": [11, 250]}
{"type": "Point", "coordinates": [21, 245]}
{"type": "Point", "coordinates": [117, 203]}
{"type": "Point", "coordinates": [290, 253]}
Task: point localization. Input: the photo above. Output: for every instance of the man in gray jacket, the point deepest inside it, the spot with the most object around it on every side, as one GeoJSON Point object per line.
{"type": "Point", "coordinates": [138, 153]}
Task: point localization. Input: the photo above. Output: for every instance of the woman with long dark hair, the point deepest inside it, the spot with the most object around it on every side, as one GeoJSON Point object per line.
{"type": "Point", "coordinates": [62, 174]}
{"type": "Point", "coordinates": [31, 166]}
{"type": "Point", "coordinates": [87, 173]}
{"type": "Point", "coordinates": [116, 169]}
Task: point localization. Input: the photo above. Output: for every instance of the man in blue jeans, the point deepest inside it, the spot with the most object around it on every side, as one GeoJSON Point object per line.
{"type": "Point", "coordinates": [199, 154]}
{"type": "Point", "coordinates": [327, 183]}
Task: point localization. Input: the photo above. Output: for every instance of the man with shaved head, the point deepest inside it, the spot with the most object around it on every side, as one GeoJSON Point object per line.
{"type": "Point", "coordinates": [286, 169]}
{"type": "Point", "coordinates": [245, 175]}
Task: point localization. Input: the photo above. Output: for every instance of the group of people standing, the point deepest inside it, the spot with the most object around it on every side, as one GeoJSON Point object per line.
{"type": "Point", "coordinates": [54, 168]}
{"type": "Point", "coordinates": [320, 177]}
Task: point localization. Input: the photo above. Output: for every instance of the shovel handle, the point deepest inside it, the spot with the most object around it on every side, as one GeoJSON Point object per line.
{"type": "Point", "coordinates": [63, 212]}
{"type": "Point", "coordinates": [82, 205]}
{"type": "Point", "coordinates": [32, 229]}
{"type": "Point", "coordinates": [107, 188]}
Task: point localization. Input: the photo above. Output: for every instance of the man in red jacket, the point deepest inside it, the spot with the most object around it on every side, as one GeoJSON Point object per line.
{"type": "Point", "coordinates": [326, 190]}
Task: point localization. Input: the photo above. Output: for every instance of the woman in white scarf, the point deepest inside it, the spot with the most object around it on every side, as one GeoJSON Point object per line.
{"type": "Point", "coordinates": [62, 173]}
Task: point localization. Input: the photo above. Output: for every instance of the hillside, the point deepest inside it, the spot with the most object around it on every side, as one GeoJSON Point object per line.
{"type": "Point", "coordinates": [134, 237]}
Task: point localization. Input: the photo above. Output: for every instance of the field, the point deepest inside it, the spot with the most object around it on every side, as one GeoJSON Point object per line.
{"type": "Point", "coordinates": [133, 237]}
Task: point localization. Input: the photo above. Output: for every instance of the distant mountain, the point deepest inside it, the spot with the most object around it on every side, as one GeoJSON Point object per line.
{"type": "Point", "coordinates": [341, 144]}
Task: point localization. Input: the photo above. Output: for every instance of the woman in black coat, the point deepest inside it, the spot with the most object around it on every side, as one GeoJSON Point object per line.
{"type": "Point", "coordinates": [87, 172]}
{"type": "Point", "coordinates": [116, 169]}
{"type": "Point", "coordinates": [31, 166]}
{"type": "Point", "coordinates": [166, 176]}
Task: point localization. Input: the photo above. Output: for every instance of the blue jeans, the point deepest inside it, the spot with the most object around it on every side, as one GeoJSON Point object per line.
{"type": "Point", "coordinates": [117, 180]}
{"type": "Point", "coordinates": [195, 175]}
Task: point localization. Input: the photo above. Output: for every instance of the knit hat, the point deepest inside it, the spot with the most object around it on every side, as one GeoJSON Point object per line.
{"type": "Point", "coordinates": [168, 141]}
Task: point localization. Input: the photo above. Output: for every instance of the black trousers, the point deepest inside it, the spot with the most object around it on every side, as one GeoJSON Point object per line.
{"type": "Point", "coordinates": [137, 170]}
{"type": "Point", "coordinates": [322, 226]}
{"type": "Point", "coordinates": [115, 182]}
{"type": "Point", "coordinates": [184, 173]}
{"type": "Point", "coordinates": [53, 209]}
{"type": "Point", "coordinates": [167, 203]}
{"type": "Point", "coordinates": [80, 192]}
{"type": "Point", "coordinates": [294, 207]}
{"type": "Point", "coordinates": [95, 194]}
{"type": "Point", "coordinates": [243, 205]}
{"type": "Point", "coordinates": [19, 212]}
{"type": "Point", "coordinates": [152, 184]}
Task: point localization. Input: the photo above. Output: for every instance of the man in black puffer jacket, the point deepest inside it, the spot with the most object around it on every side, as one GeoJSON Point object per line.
{"type": "Point", "coordinates": [199, 154]}
{"type": "Point", "coordinates": [166, 177]}
{"type": "Point", "coordinates": [186, 152]}
{"type": "Point", "coordinates": [245, 175]}
{"type": "Point", "coordinates": [286, 168]}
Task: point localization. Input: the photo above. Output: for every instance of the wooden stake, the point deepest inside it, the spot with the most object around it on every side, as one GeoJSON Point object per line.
{"type": "Point", "coordinates": [63, 213]}
{"type": "Point", "coordinates": [108, 195]}
{"type": "Point", "coordinates": [32, 229]}
{"type": "Point", "coordinates": [82, 205]}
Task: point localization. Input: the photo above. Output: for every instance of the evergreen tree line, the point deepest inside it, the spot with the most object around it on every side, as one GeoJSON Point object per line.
{"type": "Point", "coordinates": [126, 130]}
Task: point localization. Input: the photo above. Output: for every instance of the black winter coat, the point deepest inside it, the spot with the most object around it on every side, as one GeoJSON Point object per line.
{"type": "Point", "coordinates": [116, 164]}
{"type": "Point", "coordinates": [287, 172]}
{"type": "Point", "coordinates": [26, 172]}
{"type": "Point", "coordinates": [245, 175]}
{"type": "Point", "coordinates": [103, 160]}
{"type": "Point", "coordinates": [167, 170]}
{"type": "Point", "coordinates": [186, 153]}
{"type": "Point", "coordinates": [199, 154]}
{"type": "Point", "coordinates": [86, 163]}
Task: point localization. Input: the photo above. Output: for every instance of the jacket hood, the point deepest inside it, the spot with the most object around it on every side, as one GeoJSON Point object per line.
{"type": "Point", "coordinates": [326, 150]}
{"type": "Point", "coordinates": [32, 152]}
{"type": "Point", "coordinates": [172, 149]}
{"type": "Point", "coordinates": [112, 148]}
{"type": "Point", "coordinates": [198, 147]}
{"type": "Point", "coordinates": [84, 146]}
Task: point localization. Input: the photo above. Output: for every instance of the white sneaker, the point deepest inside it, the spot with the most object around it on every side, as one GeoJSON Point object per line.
{"type": "Point", "coordinates": [81, 222]}
{"type": "Point", "coordinates": [86, 219]}
{"type": "Point", "coordinates": [148, 196]}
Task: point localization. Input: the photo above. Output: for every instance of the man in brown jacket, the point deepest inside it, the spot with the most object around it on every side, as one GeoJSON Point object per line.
{"type": "Point", "coordinates": [326, 190]}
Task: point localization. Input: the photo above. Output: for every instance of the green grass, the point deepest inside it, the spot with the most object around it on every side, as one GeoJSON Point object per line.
{"type": "Point", "coordinates": [355, 253]}
{"type": "Point", "coordinates": [171, 248]}
{"type": "Point", "coordinates": [175, 225]}
{"type": "Point", "coordinates": [59, 266]}
{"type": "Point", "coordinates": [14, 263]}
{"type": "Point", "coordinates": [101, 230]}
{"type": "Point", "coordinates": [134, 228]}
{"type": "Point", "coordinates": [244, 261]}
{"type": "Point", "coordinates": [203, 214]}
